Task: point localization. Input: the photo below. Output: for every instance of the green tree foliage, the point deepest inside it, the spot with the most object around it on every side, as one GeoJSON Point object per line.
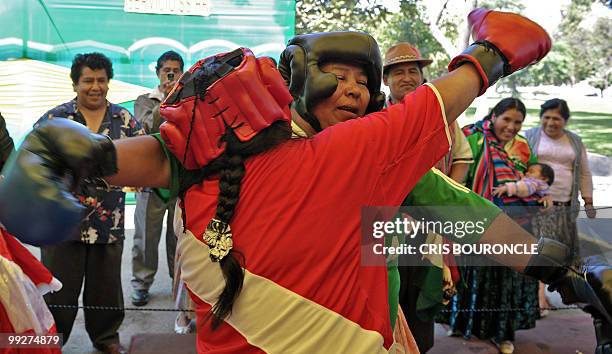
{"type": "Point", "coordinates": [554, 69]}
{"type": "Point", "coordinates": [572, 17]}
{"type": "Point", "coordinates": [576, 38]}
{"type": "Point", "coordinates": [601, 51]}
{"type": "Point", "coordinates": [579, 52]}
{"type": "Point", "coordinates": [408, 26]}
{"type": "Point", "coordinates": [503, 5]}
{"type": "Point", "coordinates": [338, 15]}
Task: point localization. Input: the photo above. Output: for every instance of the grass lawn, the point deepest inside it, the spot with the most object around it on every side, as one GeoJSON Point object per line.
{"type": "Point", "coordinates": [595, 129]}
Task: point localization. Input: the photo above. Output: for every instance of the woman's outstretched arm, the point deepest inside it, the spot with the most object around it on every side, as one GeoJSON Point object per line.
{"type": "Point", "coordinates": [141, 162]}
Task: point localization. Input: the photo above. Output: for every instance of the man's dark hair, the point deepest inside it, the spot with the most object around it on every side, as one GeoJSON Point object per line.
{"type": "Point", "coordinates": [94, 61]}
{"type": "Point", "coordinates": [169, 55]}
{"type": "Point", "coordinates": [556, 103]}
{"type": "Point", "coordinates": [546, 171]}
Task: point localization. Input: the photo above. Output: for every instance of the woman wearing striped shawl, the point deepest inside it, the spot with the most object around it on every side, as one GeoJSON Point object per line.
{"type": "Point", "coordinates": [501, 156]}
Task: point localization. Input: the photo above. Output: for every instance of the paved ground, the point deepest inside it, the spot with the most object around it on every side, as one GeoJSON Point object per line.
{"type": "Point", "coordinates": [137, 321]}
{"type": "Point", "coordinates": [567, 331]}
{"type": "Point", "coordinates": [563, 332]}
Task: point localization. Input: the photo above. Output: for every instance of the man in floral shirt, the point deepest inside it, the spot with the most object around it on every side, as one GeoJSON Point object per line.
{"type": "Point", "coordinates": [97, 256]}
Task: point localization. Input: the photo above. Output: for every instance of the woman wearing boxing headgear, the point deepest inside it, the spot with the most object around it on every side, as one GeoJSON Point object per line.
{"type": "Point", "coordinates": [270, 247]}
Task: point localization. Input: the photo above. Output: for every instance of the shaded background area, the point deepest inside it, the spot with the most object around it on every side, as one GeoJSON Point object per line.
{"type": "Point", "coordinates": [53, 31]}
{"type": "Point", "coordinates": [562, 332]}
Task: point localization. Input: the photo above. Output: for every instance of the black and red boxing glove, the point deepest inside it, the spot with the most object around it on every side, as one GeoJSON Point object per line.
{"type": "Point", "coordinates": [585, 281]}
{"type": "Point", "coordinates": [603, 334]}
{"type": "Point", "coordinates": [36, 200]}
{"type": "Point", "coordinates": [504, 43]}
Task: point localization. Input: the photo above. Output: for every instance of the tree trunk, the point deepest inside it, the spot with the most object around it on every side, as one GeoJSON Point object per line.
{"type": "Point", "coordinates": [464, 33]}
{"type": "Point", "coordinates": [463, 39]}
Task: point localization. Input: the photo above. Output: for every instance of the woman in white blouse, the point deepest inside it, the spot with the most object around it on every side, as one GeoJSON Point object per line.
{"type": "Point", "coordinates": [564, 151]}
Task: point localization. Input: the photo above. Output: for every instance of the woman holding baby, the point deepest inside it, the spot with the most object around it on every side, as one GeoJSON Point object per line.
{"type": "Point", "coordinates": [504, 171]}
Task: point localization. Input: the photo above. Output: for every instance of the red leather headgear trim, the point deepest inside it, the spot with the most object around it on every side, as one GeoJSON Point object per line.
{"type": "Point", "coordinates": [248, 99]}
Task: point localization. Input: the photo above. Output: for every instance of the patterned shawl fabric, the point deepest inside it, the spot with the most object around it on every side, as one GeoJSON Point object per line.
{"type": "Point", "coordinates": [495, 165]}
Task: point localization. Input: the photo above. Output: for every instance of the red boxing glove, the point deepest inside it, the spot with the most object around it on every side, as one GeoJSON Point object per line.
{"type": "Point", "coordinates": [504, 43]}
{"type": "Point", "coordinates": [230, 90]}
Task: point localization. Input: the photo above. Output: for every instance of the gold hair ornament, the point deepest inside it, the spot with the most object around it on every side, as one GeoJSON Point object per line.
{"type": "Point", "coordinates": [218, 236]}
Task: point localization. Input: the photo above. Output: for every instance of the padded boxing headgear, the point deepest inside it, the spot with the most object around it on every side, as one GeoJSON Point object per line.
{"type": "Point", "coordinates": [230, 90]}
{"type": "Point", "coordinates": [300, 66]}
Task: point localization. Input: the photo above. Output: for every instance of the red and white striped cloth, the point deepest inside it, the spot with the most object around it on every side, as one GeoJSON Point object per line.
{"type": "Point", "coordinates": [23, 282]}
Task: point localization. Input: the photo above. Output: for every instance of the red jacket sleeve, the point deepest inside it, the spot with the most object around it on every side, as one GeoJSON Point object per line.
{"type": "Point", "coordinates": [392, 149]}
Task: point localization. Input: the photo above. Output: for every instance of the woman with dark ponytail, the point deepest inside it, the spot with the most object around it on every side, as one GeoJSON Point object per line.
{"type": "Point", "coordinates": [270, 247]}
{"type": "Point", "coordinates": [281, 220]}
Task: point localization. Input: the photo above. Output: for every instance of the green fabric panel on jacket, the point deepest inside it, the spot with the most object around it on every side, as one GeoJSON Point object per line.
{"type": "Point", "coordinates": [175, 170]}
{"type": "Point", "coordinates": [475, 140]}
{"type": "Point", "coordinates": [440, 198]}
{"type": "Point", "coordinates": [435, 189]}
{"type": "Point", "coordinates": [393, 279]}
{"type": "Point", "coordinates": [162, 193]}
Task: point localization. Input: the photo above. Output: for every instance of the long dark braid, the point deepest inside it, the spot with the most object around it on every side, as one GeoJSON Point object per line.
{"type": "Point", "coordinates": [231, 265]}
{"type": "Point", "coordinates": [230, 169]}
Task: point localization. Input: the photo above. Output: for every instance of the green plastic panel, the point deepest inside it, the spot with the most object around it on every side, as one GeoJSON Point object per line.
{"type": "Point", "coordinates": [55, 30]}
